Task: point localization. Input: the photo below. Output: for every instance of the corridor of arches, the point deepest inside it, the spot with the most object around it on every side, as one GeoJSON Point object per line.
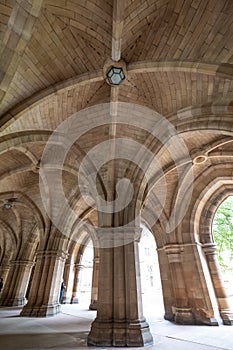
{"type": "Point", "coordinates": [116, 141]}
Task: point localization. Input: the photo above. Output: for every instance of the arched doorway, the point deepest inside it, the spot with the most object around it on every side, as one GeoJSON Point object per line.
{"type": "Point", "coordinates": [152, 297]}
{"type": "Point", "coordinates": [210, 236]}
{"type": "Point", "coordinates": [222, 229]}
{"type": "Point", "coordinates": [85, 275]}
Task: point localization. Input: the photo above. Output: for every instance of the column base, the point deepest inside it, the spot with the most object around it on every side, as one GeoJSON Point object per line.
{"type": "Point", "coordinates": [14, 302]}
{"type": "Point", "coordinates": [74, 300]}
{"type": "Point", "coordinates": [66, 300]}
{"type": "Point", "coordinates": [188, 316]}
{"type": "Point", "coordinates": [93, 305]}
{"type": "Point", "coordinates": [205, 317]}
{"type": "Point", "coordinates": [139, 334]}
{"type": "Point", "coordinates": [120, 334]}
{"type": "Point", "coordinates": [101, 334]}
{"type": "Point", "coordinates": [227, 317]}
{"type": "Point", "coordinates": [169, 316]}
{"type": "Point", "coordinates": [183, 315]}
{"type": "Point", "coordinates": [42, 311]}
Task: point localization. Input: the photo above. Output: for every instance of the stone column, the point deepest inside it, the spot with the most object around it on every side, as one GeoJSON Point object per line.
{"type": "Point", "coordinates": [95, 280]}
{"type": "Point", "coordinates": [75, 292]}
{"type": "Point", "coordinates": [4, 270]}
{"type": "Point", "coordinates": [166, 282]}
{"type": "Point", "coordinates": [16, 284]}
{"type": "Point", "coordinates": [43, 299]}
{"type": "Point", "coordinates": [181, 310]}
{"type": "Point", "coordinates": [119, 320]}
{"type": "Point", "coordinates": [30, 281]}
{"type": "Point", "coordinates": [66, 275]}
{"type": "Point", "coordinates": [225, 305]}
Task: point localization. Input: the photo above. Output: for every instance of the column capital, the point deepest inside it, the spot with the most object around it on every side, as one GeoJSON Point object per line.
{"type": "Point", "coordinates": [110, 237]}
{"type": "Point", "coordinates": [68, 259]}
{"type": "Point", "coordinates": [5, 266]}
{"type": "Point", "coordinates": [78, 266]}
{"type": "Point", "coordinates": [28, 263]}
{"type": "Point", "coordinates": [57, 254]}
{"type": "Point", "coordinates": [209, 248]}
{"type": "Point", "coordinates": [174, 252]}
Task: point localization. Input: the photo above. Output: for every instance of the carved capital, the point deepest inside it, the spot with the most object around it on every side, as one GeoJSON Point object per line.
{"type": "Point", "coordinates": [55, 254]}
{"type": "Point", "coordinates": [26, 263]}
{"type": "Point", "coordinates": [174, 253]}
{"type": "Point", "coordinates": [110, 237]}
{"type": "Point", "coordinates": [209, 248]}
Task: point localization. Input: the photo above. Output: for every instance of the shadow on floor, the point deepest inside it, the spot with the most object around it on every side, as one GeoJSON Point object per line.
{"type": "Point", "coordinates": [72, 340]}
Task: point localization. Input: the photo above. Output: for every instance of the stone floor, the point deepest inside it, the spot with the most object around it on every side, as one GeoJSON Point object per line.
{"type": "Point", "coordinates": [69, 330]}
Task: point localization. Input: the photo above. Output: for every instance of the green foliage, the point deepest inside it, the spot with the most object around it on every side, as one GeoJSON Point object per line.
{"type": "Point", "coordinates": [223, 234]}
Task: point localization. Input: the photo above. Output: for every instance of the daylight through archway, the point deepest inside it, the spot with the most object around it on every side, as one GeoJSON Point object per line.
{"type": "Point", "coordinates": [152, 298]}
{"type": "Point", "coordinates": [223, 237]}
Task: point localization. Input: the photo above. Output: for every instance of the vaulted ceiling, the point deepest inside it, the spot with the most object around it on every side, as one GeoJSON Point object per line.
{"type": "Point", "coordinates": [53, 56]}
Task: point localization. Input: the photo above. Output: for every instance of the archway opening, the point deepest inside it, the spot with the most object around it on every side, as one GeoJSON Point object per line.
{"type": "Point", "coordinates": [152, 298]}
{"type": "Point", "coordinates": [222, 229]}
{"type": "Point", "coordinates": [85, 275]}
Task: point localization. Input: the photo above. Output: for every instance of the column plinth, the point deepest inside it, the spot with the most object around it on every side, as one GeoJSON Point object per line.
{"type": "Point", "coordinates": [41, 311]}
{"type": "Point", "coordinates": [183, 315]}
{"type": "Point", "coordinates": [120, 334]}
{"type": "Point", "coordinates": [227, 316]}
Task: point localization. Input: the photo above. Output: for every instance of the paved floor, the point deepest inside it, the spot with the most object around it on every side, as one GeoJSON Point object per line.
{"type": "Point", "coordinates": [69, 330]}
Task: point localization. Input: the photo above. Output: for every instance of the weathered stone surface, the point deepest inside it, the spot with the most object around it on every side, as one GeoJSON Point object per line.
{"type": "Point", "coordinates": [155, 150]}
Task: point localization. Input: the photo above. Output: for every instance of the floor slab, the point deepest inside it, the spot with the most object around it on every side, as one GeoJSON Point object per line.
{"type": "Point", "coordinates": [69, 330]}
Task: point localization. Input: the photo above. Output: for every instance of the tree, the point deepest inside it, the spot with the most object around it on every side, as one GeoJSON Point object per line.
{"type": "Point", "coordinates": [223, 234]}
